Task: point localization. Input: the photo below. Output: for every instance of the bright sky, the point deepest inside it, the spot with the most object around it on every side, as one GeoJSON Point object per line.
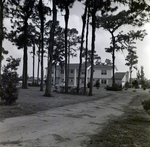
{"type": "Point", "coordinates": [102, 42]}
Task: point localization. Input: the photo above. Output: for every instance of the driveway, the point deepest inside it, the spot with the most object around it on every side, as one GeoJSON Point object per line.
{"type": "Point", "coordinates": [67, 126]}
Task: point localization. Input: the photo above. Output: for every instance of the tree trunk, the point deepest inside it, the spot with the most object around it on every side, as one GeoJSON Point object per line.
{"type": "Point", "coordinates": [55, 72]}
{"type": "Point", "coordinates": [66, 29]}
{"type": "Point", "coordinates": [113, 58]}
{"type": "Point", "coordinates": [33, 62]}
{"type": "Point", "coordinates": [50, 52]}
{"type": "Point", "coordinates": [25, 58]}
{"type": "Point", "coordinates": [131, 77]}
{"type": "Point", "coordinates": [42, 52]}
{"type": "Point", "coordinates": [68, 66]}
{"type": "Point", "coordinates": [86, 52]}
{"type": "Point", "coordinates": [82, 41]}
{"type": "Point", "coordinates": [42, 44]}
{"type": "Point", "coordinates": [93, 47]}
{"type": "Point", "coordinates": [1, 35]}
{"type": "Point", "coordinates": [38, 69]}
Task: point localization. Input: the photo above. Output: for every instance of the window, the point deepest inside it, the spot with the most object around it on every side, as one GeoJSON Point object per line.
{"type": "Point", "coordinates": [103, 81]}
{"type": "Point", "coordinates": [104, 72]}
{"type": "Point", "coordinates": [71, 80]}
{"type": "Point", "coordinates": [82, 81]}
{"type": "Point", "coordinates": [62, 71]}
{"type": "Point", "coordinates": [71, 71]}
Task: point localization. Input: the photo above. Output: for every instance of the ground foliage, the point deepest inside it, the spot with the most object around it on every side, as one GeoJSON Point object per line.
{"type": "Point", "coordinates": [9, 81]}
{"type": "Point", "coordinates": [129, 130]}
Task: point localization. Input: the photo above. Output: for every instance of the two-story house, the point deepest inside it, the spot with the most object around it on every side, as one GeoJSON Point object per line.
{"type": "Point", "coordinates": [101, 72]}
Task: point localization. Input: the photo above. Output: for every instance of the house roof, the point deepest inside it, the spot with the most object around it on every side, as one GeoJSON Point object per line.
{"type": "Point", "coordinates": [76, 66]}
{"type": "Point", "coordinates": [103, 67]}
{"type": "Point", "coordinates": [119, 75]}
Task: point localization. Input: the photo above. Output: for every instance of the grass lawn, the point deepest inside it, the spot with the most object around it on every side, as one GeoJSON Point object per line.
{"type": "Point", "coordinates": [132, 129]}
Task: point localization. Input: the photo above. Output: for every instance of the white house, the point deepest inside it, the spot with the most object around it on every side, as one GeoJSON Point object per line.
{"type": "Point", "coordinates": [101, 72]}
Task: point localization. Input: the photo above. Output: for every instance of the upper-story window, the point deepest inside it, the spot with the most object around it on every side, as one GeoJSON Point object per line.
{"type": "Point", "coordinates": [104, 72]}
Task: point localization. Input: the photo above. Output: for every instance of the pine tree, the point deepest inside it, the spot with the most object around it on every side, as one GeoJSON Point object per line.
{"type": "Point", "coordinates": [65, 5]}
{"type": "Point", "coordinates": [121, 41]}
{"type": "Point", "coordinates": [20, 16]}
{"type": "Point", "coordinates": [50, 53]}
{"type": "Point", "coordinates": [82, 40]}
{"type": "Point", "coordinates": [132, 60]}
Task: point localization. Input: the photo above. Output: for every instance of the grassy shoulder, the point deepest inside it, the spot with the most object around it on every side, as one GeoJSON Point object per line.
{"type": "Point", "coordinates": [132, 129]}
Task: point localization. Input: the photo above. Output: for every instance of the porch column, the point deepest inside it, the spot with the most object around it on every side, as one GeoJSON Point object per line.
{"type": "Point", "coordinates": [75, 77]}
{"type": "Point", "coordinates": [100, 81]}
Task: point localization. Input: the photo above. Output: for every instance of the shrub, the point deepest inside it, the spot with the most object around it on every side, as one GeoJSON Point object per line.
{"type": "Point", "coordinates": [97, 84]}
{"type": "Point", "coordinates": [62, 89]}
{"type": "Point", "coordinates": [134, 90]}
{"type": "Point", "coordinates": [9, 81]}
{"type": "Point", "coordinates": [144, 88]}
{"type": "Point", "coordinates": [116, 87]}
{"type": "Point", "coordinates": [135, 84]}
{"type": "Point", "coordinates": [88, 85]}
{"type": "Point", "coordinates": [127, 85]}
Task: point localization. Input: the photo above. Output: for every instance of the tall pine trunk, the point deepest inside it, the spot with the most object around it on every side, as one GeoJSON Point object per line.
{"type": "Point", "coordinates": [33, 63]}
{"type": "Point", "coordinates": [42, 44]}
{"type": "Point", "coordinates": [86, 52]}
{"type": "Point", "coordinates": [42, 75]}
{"type": "Point", "coordinates": [50, 52]}
{"type": "Point", "coordinates": [68, 66]}
{"type": "Point", "coordinates": [66, 53]}
{"type": "Point", "coordinates": [1, 35]}
{"type": "Point", "coordinates": [38, 69]}
{"type": "Point", "coordinates": [25, 58]}
{"type": "Point", "coordinates": [82, 41]}
{"type": "Point", "coordinates": [92, 46]}
{"type": "Point", "coordinates": [113, 58]}
{"type": "Point", "coordinates": [55, 72]}
{"type": "Point", "coordinates": [130, 75]}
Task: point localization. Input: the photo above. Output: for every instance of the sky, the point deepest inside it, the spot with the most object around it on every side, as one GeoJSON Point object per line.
{"type": "Point", "coordinates": [102, 41]}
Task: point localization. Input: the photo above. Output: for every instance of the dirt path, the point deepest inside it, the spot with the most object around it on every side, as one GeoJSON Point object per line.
{"type": "Point", "coordinates": [66, 126]}
{"type": "Point", "coordinates": [132, 129]}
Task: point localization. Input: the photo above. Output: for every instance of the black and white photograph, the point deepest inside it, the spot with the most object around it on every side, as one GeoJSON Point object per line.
{"type": "Point", "coordinates": [74, 73]}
